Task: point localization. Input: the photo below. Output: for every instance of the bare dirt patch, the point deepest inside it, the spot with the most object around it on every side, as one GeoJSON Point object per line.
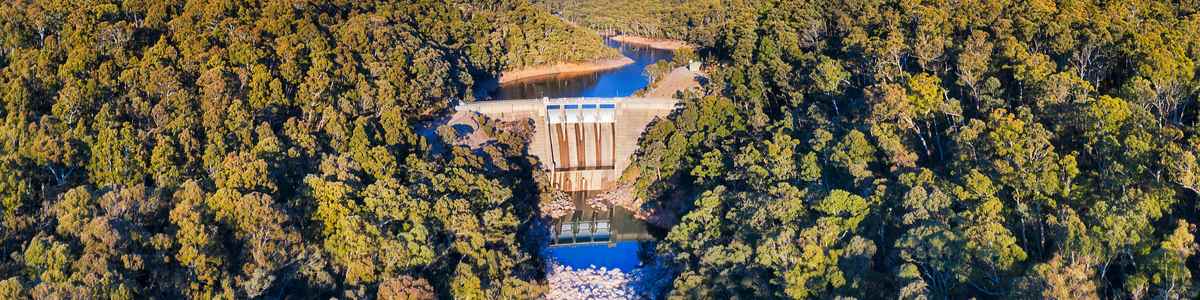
{"type": "Point", "coordinates": [564, 69]}
{"type": "Point", "coordinates": [680, 79]}
{"type": "Point", "coordinates": [663, 44]}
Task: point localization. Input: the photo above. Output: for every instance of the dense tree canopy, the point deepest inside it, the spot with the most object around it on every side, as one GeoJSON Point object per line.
{"type": "Point", "coordinates": [695, 20]}
{"type": "Point", "coordinates": [931, 149]}
{"type": "Point", "coordinates": [242, 149]}
{"type": "Point", "coordinates": [871, 149]}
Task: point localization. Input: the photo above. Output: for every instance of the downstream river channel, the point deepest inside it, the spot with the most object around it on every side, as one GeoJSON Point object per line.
{"type": "Point", "coordinates": [618, 82]}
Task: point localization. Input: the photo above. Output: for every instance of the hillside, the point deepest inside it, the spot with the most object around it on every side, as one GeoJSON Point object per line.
{"type": "Point", "coordinates": [936, 150]}
{"type": "Point", "coordinates": [533, 37]}
{"type": "Point", "coordinates": [881, 149]}
{"type": "Point", "coordinates": [696, 21]}
{"type": "Point", "coordinates": [211, 149]}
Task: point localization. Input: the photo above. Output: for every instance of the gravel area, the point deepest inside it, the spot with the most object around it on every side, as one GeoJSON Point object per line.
{"type": "Point", "coordinates": [680, 79]}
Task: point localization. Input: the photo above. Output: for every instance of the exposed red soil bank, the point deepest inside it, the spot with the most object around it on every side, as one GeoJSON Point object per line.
{"type": "Point", "coordinates": [663, 44]}
{"type": "Point", "coordinates": [564, 69]}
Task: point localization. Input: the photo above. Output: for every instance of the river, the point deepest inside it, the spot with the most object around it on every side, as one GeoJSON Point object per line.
{"type": "Point", "coordinates": [620, 82]}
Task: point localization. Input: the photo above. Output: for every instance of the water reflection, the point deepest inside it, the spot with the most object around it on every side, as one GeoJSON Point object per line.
{"type": "Point", "coordinates": [618, 82]}
{"type": "Point", "coordinates": [591, 224]}
{"type": "Point", "coordinates": [618, 255]}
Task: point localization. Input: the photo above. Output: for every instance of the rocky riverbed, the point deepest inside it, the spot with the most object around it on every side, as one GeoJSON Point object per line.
{"type": "Point", "coordinates": [602, 283]}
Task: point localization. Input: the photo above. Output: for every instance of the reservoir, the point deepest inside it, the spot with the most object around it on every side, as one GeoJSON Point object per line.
{"type": "Point", "coordinates": [620, 82]}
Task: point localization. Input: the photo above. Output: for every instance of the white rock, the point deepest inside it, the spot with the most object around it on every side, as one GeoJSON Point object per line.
{"type": "Point", "coordinates": [602, 283]}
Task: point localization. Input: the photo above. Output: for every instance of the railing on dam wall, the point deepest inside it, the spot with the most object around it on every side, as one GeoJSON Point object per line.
{"type": "Point", "coordinates": [520, 107]}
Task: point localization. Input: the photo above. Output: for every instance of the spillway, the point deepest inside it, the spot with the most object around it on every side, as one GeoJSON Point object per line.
{"type": "Point", "coordinates": [584, 144]}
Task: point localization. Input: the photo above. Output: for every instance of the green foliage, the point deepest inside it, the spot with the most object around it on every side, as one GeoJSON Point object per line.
{"type": "Point", "coordinates": [220, 150]}
{"type": "Point", "coordinates": [697, 21]}
{"type": "Point", "coordinates": [12, 289]}
{"type": "Point", "coordinates": [533, 37]}
{"type": "Point", "coordinates": [117, 157]}
{"type": "Point", "coordinates": [1039, 149]}
{"type": "Point", "coordinates": [864, 149]}
{"type": "Point", "coordinates": [46, 260]}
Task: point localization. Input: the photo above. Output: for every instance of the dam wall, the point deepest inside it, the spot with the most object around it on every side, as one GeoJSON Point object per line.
{"type": "Point", "coordinates": [583, 143]}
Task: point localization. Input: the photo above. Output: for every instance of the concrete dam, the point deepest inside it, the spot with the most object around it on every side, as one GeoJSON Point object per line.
{"type": "Point", "coordinates": [584, 144]}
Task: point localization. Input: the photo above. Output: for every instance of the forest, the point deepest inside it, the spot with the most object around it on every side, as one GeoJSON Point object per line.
{"type": "Point", "coordinates": [247, 149]}
{"type": "Point", "coordinates": [869, 149]}
{"type": "Point", "coordinates": [696, 21]}
{"type": "Point", "coordinates": [932, 150]}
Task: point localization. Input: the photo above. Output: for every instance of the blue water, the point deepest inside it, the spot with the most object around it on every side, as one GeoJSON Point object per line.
{"type": "Point", "coordinates": [623, 255]}
{"type": "Point", "coordinates": [618, 82]}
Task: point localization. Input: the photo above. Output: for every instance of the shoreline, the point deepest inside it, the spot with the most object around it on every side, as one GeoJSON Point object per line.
{"type": "Point", "coordinates": [563, 69]}
{"type": "Point", "coordinates": [661, 44]}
